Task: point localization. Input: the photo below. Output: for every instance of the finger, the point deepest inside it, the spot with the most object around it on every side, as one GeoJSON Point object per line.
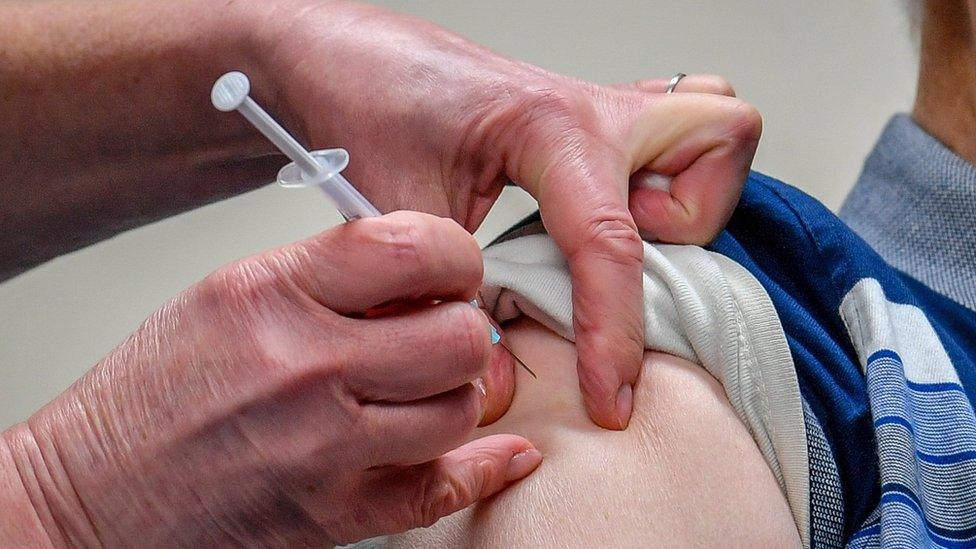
{"type": "Point", "coordinates": [580, 181]}
{"type": "Point", "coordinates": [373, 261]}
{"type": "Point", "coordinates": [584, 206]}
{"type": "Point", "coordinates": [692, 83]}
{"type": "Point", "coordinates": [415, 432]}
{"type": "Point", "coordinates": [706, 144]}
{"type": "Point", "coordinates": [417, 354]}
{"type": "Point", "coordinates": [498, 381]}
{"type": "Point", "coordinates": [411, 497]}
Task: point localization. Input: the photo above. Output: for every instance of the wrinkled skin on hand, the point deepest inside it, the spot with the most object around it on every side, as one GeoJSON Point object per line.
{"type": "Point", "coordinates": [271, 404]}
{"type": "Point", "coordinates": [440, 125]}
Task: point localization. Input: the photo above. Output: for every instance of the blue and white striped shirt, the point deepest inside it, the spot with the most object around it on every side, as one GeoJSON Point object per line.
{"type": "Point", "coordinates": [886, 371]}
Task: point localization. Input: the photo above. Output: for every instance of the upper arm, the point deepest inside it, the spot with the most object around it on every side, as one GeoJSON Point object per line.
{"type": "Point", "coordinates": [686, 471]}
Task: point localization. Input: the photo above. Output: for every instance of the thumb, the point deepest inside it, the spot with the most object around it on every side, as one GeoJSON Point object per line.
{"type": "Point", "coordinates": [498, 383]}
{"type": "Point", "coordinates": [419, 495]}
{"type": "Point", "coordinates": [705, 143]}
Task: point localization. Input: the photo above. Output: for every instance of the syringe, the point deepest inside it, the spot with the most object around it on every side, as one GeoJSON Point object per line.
{"type": "Point", "coordinates": [319, 168]}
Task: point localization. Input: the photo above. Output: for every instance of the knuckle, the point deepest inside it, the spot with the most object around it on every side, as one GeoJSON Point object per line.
{"type": "Point", "coordinates": [247, 345]}
{"type": "Point", "coordinates": [598, 381]}
{"type": "Point", "coordinates": [401, 237]}
{"type": "Point", "coordinates": [441, 495]}
{"type": "Point", "coordinates": [746, 121]}
{"type": "Point", "coordinates": [547, 109]}
{"type": "Point", "coordinates": [547, 125]}
{"type": "Point", "coordinates": [548, 101]}
{"type": "Point", "coordinates": [256, 304]}
{"type": "Point", "coordinates": [613, 236]}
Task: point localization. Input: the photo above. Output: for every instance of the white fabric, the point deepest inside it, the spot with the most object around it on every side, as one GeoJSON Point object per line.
{"type": "Point", "coordinates": [699, 306]}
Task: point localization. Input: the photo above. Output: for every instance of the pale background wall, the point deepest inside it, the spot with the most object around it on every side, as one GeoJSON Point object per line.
{"type": "Point", "coordinates": [825, 75]}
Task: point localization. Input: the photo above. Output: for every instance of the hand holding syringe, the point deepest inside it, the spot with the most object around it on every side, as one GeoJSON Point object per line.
{"type": "Point", "coordinates": [320, 168]}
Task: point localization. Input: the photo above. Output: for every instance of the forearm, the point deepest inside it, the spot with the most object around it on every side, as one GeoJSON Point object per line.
{"type": "Point", "coordinates": [107, 121]}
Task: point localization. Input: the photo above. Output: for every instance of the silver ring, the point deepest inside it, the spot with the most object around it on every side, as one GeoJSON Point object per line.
{"type": "Point", "coordinates": [674, 82]}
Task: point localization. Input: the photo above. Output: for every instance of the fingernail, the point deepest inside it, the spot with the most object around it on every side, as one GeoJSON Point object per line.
{"type": "Point", "coordinates": [625, 404]}
{"type": "Point", "coordinates": [479, 384]}
{"type": "Point", "coordinates": [522, 464]}
{"type": "Point", "coordinates": [495, 336]}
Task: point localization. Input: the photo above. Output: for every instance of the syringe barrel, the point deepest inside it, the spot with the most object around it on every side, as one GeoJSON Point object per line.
{"type": "Point", "coordinates": [347, 199]}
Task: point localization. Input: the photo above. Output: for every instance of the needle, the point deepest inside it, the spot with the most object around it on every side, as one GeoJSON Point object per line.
{"type": "Point", "coordinates": [503, 344]}
{"type": "Point", "coordinates": [519, 360]}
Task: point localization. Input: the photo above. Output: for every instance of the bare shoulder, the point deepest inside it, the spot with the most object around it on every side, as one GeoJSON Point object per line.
{"type": "Point", "coordinates": [685, 473]}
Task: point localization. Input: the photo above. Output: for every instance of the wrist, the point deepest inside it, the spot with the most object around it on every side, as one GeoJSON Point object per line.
{"type": "Point", "coordinates": [40, 508]}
